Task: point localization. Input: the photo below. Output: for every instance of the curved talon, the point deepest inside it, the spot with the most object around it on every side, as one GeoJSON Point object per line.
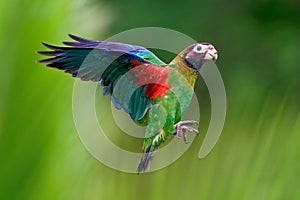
{"type": "Point", "coordinates": [182, 127]}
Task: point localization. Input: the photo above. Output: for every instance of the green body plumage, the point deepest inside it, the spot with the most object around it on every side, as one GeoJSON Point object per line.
{"type": "Point", "coordinates": [165, 112]}
{"type": "Point", "coordinates": [151, 92]}
{"type": "Point", "coordinates": [168, 110]}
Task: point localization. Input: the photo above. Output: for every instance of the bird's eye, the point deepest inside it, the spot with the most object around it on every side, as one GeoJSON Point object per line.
{"type": "Point", "coordinates": [198, 49]}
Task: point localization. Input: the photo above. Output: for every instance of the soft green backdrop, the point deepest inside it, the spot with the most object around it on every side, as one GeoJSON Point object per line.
{"type": "Point", "coordinates": [258, 154]}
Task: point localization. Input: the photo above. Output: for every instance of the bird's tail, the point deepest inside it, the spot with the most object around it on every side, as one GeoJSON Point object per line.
{"type": "Point", "coordinates": [146, 159]}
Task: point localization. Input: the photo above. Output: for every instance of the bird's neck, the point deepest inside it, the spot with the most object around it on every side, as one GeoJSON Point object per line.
{"type": "Point", "coordinates": [182, 68]}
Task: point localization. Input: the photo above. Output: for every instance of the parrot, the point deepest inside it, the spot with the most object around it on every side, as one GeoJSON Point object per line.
{"type": "Point", "coordinates": [154, 94]}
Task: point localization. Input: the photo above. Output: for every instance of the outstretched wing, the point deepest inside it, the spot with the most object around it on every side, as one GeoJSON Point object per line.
{"type": "Point", "coordinates": [132, 75]}
{"type": "Point", "coordinates": [88, 59]}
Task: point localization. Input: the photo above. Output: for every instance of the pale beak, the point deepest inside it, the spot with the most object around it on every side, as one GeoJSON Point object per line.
{"type": "Point", "coordinates": [211, 55]}
{"type": "Point", "coordinates": [215, 56]}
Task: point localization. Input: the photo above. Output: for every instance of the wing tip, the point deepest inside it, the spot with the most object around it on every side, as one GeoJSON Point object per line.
{"type": "Point", "coordinates": [77, 38]}
{"type": "Point", "coordinates": [49, 46]}
{"type": "Point", "coordinates": [50, 60]}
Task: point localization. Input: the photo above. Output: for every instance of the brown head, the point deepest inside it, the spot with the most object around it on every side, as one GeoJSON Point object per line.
{"type": "Point", "coordinates": [196, 54]}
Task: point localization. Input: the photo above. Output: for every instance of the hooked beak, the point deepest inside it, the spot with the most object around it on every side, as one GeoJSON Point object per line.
{"type": "Point", "coordinates": [211, 55]}
{"type": "Point", "coordinates": [215, 56]}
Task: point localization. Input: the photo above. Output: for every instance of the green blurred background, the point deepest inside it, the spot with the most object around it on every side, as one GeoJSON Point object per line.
{"type": "Point", "coordinates": [258, 154]}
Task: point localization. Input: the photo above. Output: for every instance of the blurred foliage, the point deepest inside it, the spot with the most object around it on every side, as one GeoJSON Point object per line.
{"type": "Point", "coordinates": [258, 154]}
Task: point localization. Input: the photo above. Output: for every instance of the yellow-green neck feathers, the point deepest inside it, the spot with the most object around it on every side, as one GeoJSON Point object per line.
{"type": "Point", "coordinates": [188, 73]}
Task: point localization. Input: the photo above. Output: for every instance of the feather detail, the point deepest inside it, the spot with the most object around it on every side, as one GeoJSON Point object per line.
{"type": "Point", "coordinates": [146, 159]}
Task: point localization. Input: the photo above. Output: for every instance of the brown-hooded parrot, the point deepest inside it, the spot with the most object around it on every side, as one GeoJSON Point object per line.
{"type": "Point", "coordinates": [153, 93]}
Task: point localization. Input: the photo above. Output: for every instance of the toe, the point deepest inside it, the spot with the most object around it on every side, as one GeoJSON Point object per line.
{"type": "Point", "coordinates": [190, 129]}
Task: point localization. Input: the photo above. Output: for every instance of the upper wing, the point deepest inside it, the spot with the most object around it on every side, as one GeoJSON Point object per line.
{"type": "Point", "coordinates": [88, 59]}
{"type": "Point", "coordinates": [132, 75]}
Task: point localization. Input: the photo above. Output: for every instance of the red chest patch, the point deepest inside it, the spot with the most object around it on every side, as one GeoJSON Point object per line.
{"type": "Point", "coordinates": [157, 91]}
{"type": "Point", "coordinates": [153, 76]}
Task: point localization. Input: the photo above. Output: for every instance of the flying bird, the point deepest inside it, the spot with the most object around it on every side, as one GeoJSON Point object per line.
{"type": "Point", "coordinates": [153, 93]}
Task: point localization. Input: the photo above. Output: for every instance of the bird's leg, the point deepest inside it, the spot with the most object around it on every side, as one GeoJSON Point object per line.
{"type": "Point", "coordinates": [184, 126]}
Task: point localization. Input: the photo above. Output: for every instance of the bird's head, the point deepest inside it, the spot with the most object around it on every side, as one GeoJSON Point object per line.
{"type": "Point", "coordinates": [195, 55]}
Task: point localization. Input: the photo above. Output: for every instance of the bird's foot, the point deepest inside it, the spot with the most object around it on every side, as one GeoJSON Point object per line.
{"type": "Point", "coordinates": [184, 126]}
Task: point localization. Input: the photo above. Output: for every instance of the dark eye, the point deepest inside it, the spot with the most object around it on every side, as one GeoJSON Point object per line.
{"type": "Point", "coordinates": [199, 48]}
